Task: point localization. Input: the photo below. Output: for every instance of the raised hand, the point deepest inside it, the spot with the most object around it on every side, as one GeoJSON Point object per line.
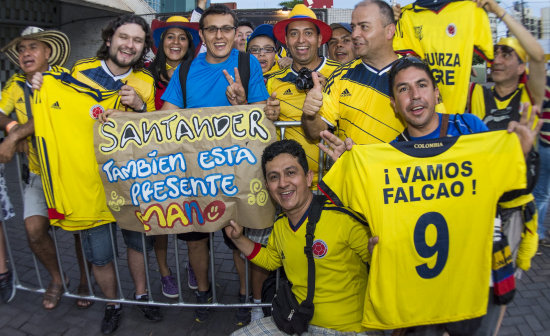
{"type": "Point", "coordinates": [526, 129]}
{"type": "Point", "coordinates": [272, 108]}
{"type": "Point", "coordinates": [235, 91]}
{"type": "Point", "coordinates": [334, 147]}
{"type": "Point", "coordinates": [314, 97]}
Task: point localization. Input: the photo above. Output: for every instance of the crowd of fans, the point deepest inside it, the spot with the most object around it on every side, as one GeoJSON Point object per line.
{"type": "Point", "coordinates": [383, 81]}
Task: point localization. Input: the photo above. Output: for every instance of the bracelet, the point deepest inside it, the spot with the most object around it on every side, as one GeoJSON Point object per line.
{"type": "Point", "coordinates": [10, 125]}
{"type": "Point", "coordinates": [503, 15]}
{"type": "Point", "coordinates": [143, 108]}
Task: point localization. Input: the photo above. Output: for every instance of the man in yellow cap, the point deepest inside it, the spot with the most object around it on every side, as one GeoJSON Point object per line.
{"type": "Point", "coordinates": [303, 35]}
{"type": "Point", "coordinates": [514, 58]}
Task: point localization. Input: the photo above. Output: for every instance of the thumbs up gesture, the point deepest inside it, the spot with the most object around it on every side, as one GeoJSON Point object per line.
{"type": "Point", "coordinates": [272, 108]}
{"type": "Point", "coordinates": [314, 97]}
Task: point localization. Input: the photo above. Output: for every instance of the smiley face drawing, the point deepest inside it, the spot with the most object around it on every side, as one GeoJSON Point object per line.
{"type": "Point", "coordinates": [214, 211]}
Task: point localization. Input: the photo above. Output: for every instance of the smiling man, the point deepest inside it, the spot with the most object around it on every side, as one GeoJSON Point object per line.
{"type": "Point", "coordinates": [303, 34]}
{"type": "Point", "coordinates": [414, 95]}
{"type": "Point", "coordinates": [216, 82]}
{"type": "Point", "coordinates": [35, 51]}
{"type": "Point", "coordinates": [340, 270]}
{"type": "Point", "coordinates": [119, 66]}
{"type": "Point", "coordinates": [340, 45]}
{"type": "Point", "coordinates": [357, 97]}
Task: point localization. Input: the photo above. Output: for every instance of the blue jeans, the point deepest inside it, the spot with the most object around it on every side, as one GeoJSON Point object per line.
{"type": "Point", "coordinates": [542, 188]}
{"type": "Point", "coordinates": [97, 244]}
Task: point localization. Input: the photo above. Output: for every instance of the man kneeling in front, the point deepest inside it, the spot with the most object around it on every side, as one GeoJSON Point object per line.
{"type": "Point", "coordinates": [340, 247]}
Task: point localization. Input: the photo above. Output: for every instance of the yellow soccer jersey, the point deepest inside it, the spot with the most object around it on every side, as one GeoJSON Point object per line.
{"type": "Point", "coordinates": [340, 252]}
{"type": "Point", "coordinates": [356, 101]}
{"type": "Point", "coordinates": [13, 99]}
{"type": "Point", "coordinates": [95, 73]}
{"type": "Point", "coordinates": [446, 40]}
{"type": "Point", "coordinates": [65, 113]}
{"type": "Point", "coordinates": [292, 102]}
{"type": "Point", "coordinates": [432, 204]}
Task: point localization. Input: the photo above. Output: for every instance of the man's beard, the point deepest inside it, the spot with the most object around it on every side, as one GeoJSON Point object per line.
{"type": "Point", "coordinates": [113, 58]}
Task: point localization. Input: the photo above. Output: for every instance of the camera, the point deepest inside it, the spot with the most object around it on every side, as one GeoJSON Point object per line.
{"type": "Point", "coordinates": [304, 81]}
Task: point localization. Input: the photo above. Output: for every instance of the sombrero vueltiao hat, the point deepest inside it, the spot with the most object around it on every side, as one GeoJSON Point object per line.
{"type": "Point", "coordinates": [56, 40]}
{"type": "Point", "coordinates": [301, 13]}
{"type": "Point", "coordinates": [159, 27]}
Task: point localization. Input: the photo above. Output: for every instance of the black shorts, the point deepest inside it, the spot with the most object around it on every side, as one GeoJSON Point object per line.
{"type": "Point", "coordinates": [193, 236]}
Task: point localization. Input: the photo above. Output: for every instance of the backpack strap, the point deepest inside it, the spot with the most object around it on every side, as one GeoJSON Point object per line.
{"type": "Point", "coordinates": [183, 71]}
{"type": "Point", "coordinates": [444, 125]}
{"type": "Point", "coordinates": [470, 93]}
{"type": "Point", "coordinates": [312, 219]}
{"type": "Point", "coordinates": [244, 70]}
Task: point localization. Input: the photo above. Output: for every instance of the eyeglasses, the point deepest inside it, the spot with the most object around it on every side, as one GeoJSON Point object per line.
{"type": "Point", "coordinates": [213, 29]}
{"type": "Point", "coordinates": [256, 50]}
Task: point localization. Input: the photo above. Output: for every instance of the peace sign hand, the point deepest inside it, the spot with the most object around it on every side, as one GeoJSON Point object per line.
{"type": "Point", "coordinates": [235, 91]}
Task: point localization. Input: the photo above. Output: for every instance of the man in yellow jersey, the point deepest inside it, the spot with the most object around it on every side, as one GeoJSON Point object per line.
{"type": "Point", "coordinates": [356, 98]}
{"type": "Point", "coordinates": [414, 95]}
{"type": "Point", "coordinates": [303, 35]}
{"type": "Point", "coordinates": [36, 50]}
{"type": "Point", "coordinates": [517, 71]}
{"type": "Point", "coordinates": [497, 106]}
{"type": "Point", "coordinates": [119, 67]}
{"type": "Point", "coordinates": [340, 247]}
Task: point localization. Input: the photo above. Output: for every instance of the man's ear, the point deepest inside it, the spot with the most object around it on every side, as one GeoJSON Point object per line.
{"type": "Point", "coordinates": [390, 31]}
{"type": "Point", "coordinates": [392, 103]}
{"type": "Point", "coordinates": [48, 52]}
{"type": "Point", "coordinates": [309, 178]}
{"type": "Point", "coordinates": [521, 69]}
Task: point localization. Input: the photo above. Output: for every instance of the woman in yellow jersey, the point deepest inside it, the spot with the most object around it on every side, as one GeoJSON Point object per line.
{"type": "Point", "coordinates": [175, 41]}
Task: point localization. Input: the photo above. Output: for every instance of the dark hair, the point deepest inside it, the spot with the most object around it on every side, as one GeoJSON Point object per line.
{"type": "Point", "coordinates": [506, 50]}
{"type": "Point", "coordinates": [385, 10]}
{"type": "Point", "coordinates": [218, 9]}
{"type": "Point", "coordinates": [108, 32]}
{"type": "Point", "coordinates": [158, 66]}
{"type": "Point", "coordinates": [404, 63]}
{"type": "Point", "coordinates": [287, 146]}
{"type": "Point", "coordinates": [245, 23]}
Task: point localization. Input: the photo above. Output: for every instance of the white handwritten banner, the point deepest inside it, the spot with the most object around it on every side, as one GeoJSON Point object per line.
{"type": "Point", "coordinates": [186, 170]}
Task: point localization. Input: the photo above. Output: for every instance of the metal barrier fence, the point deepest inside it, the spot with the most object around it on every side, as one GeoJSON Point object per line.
{"type": "Point", "coordinates": [180, 302]}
